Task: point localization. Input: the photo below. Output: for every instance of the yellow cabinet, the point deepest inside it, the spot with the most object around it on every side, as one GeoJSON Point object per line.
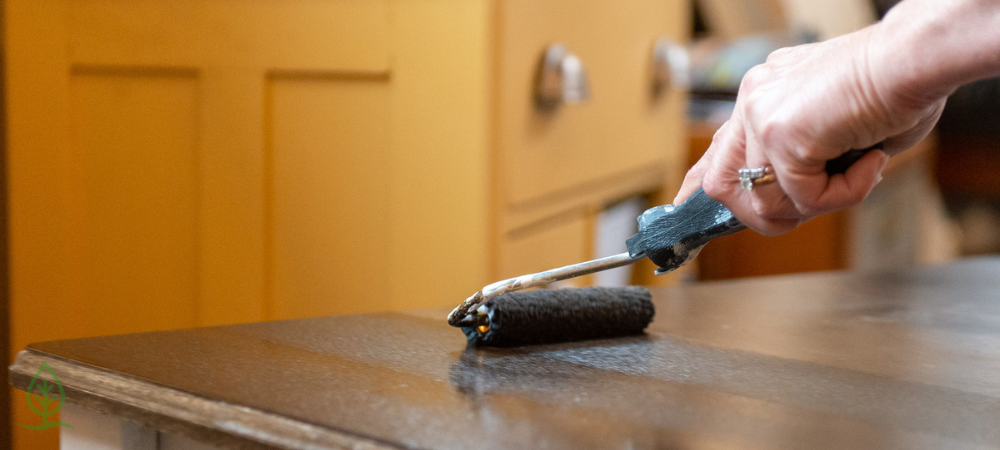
{"type": "Point", "coordinates": [199, 162]}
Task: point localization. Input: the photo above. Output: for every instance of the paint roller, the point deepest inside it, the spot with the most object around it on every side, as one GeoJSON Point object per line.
{"type": "Point", "coordinates": [670, 236]}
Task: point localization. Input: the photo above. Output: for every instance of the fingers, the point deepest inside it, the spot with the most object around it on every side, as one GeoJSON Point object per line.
{"type": "Point", "coordinates": [693, 179]}
{"type": "Point", "coordinates": [803, 189]}
{"type": "Point", "coordinates": [813, 192]}
{"type": "Point", "coordinates": [804, 105]}
{"type": "Point", "coordinates": [733, 150]}
{"type": "Point", "coordinates": [798, 194]}
{"type": "Point", "coordinates": [853, 186]}
{"type": "Point", "coordinates": [766, 208]}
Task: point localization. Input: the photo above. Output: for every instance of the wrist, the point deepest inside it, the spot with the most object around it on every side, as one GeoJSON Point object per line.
{"type": "Point", "coordinates": [924, 49]}
{"type": "Point", "coordinates": [907, 72]}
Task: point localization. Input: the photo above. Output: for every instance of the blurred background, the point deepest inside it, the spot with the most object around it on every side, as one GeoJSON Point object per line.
{"type": "Point", "coordinates": [184, 163]}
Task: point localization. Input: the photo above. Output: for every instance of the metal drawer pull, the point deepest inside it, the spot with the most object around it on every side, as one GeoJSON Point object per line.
{"type": "Point", "coordinates": [671, 66]}
{"type": "Point", "coordinates": [561, 78]}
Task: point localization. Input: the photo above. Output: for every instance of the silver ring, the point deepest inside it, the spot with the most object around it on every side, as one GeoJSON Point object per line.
{"type": "Point", "coordinates": [751, 177]}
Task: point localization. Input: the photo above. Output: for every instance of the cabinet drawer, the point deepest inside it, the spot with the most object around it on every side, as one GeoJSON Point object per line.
{"type": "Point", "coordinates": [622, 127]}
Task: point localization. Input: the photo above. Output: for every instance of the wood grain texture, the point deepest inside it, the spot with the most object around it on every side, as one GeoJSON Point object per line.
{"type": "Point", "coordinates": [166, 409]}
{"type": "Point", "coordinates": [899, 359]}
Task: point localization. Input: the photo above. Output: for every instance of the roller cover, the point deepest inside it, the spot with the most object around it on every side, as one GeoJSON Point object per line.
{"type": "Point", "coordinates": [548, 316]}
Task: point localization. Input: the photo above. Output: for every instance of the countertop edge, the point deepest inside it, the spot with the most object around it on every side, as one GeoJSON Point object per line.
{"type": "Point", "coordinates": [178, 412]}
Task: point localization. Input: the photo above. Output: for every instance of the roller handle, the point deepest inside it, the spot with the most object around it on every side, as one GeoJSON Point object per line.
{"type": "Point", "coordinates": [670, 236]}
{"type": "Point", "coordinates": [843, 162]}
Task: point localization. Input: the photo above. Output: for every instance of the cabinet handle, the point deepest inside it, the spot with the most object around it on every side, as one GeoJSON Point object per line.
{"type": "Point", "coordinates": [561, 78]}
{"type": "Point", "coordinates": [671, 66]}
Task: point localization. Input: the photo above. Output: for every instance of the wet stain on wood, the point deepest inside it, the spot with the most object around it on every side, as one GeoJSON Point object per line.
{"type": "Point", "coordinates": [904, 359]}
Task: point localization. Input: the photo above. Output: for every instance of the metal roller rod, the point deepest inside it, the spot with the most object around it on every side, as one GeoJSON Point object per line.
{"type": "Point", "coordinates": [534, 280]}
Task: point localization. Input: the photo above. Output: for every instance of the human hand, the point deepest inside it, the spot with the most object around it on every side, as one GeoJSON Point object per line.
{"type": "Point", "coordinates": [804, 106]}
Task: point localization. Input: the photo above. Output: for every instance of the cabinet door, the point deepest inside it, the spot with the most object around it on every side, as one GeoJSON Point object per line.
{"type": "Point", "coordinates": [623, 128]}
{"type": "Point", "coordinates": [137, 148]}
{"type": "Point", "coordinates": [188, 163]}
{"type": "Point", "coordinates": [141, 135]}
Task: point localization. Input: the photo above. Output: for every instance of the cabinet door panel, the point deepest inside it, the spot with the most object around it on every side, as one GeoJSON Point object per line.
{"type": "Point", "coordinates": [329, 202]}
{"type": "Point", "coordinates": [133, 201]}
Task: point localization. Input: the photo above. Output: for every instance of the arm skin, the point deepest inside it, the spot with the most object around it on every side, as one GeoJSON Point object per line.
{"type": "Point", "coordinates": [810, 103]}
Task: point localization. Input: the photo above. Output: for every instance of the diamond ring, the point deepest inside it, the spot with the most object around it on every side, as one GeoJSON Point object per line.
{"type": "Point", "coordinates": [751, 177]}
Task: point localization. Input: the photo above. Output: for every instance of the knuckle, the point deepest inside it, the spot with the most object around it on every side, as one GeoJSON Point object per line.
{"type": "Point", "coordinates": [769, 229]}
{"type": "Point", "coordinates": [767, 210]}
{"type": "Point", "coordinates": [773, 130]}
{"type": "Point", "coordinates": [712, 186]}
{"type": "Point", "coordinates": [811, 208]}
{"type": "Point", "coordinates": [776, 227]}
{"type": "Point", "coordinates": [778, 54]}
{"type": "Point", "coordinates": [719, 140]}
{"type": "Point", "coordinates": [753, 78]}
{"type": "Point", "coordinates": [808, 153]}
{"type": "Point", "coordinates": [692, 176]}
{"type": "Point", "coordinates": [721, 135]}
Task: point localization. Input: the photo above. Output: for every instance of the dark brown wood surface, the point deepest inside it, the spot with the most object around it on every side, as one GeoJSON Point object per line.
{"type": "Point", "coordinates": [906, 359]}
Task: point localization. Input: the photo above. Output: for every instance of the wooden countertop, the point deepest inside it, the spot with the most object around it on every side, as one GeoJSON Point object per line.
{"type": "Point", "coordinates": [904, 359]}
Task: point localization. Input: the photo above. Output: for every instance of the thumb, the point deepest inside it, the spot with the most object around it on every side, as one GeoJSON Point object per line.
{"type": "Point", "coordinates": [851, 187]}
